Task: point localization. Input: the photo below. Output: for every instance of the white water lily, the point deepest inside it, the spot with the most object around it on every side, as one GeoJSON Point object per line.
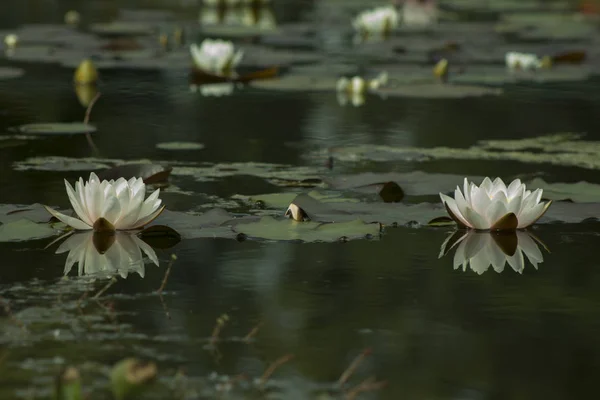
{"type": "Point", "coordinates": [494, 206]}
{"type": "Point", "coordinates": [479, 250]}
{"type": "Point", "coordinates": [525, 61]}
{"type": "Point", "coordinates": [124, 255]}
{"type": "Point", "coordinates": [379, 21]}
{"type": "Point", "coordinates": [216, 56]}
{"type": "Point", "coordinates": [120, 202]}
{"type": "Point", "coordinates": [353, 85]}
{"type": "Point", "coordinates": [419, 12]}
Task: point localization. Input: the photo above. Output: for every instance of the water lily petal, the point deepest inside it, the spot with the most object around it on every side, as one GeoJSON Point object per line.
{"type": "Point", "coordinates": [145, 221]}
{"type": "Point", "coordinates": [73, 222]}
{"type": "Point", "coordinates": [451, 203]}
{"type": "Point", "coordinates": [481, 201]}
{"type": "Point", "coordinates": [496, 210]}
{"type": "Point", "coordinates": [76, 203]}
{"type": "Point", "coordinates": [476, 220]}
{"type": "Point", "coordinates": [529, 216]}
{"type": "Point", "coordinates": [487, 185]}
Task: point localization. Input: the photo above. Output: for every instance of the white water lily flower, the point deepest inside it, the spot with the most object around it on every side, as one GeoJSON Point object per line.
{"type": "Point", "coordinates": [479, 250]}
{"type": "Point", "coordinates": [515, 60]}
{"type": "Point", "coordinates": [124, 255]}
{"type": "Point", "coordinates": [353, 85]}
{"type": "Point", "coordinates": [379, 20]}
{"type": "Point", "coordinates": [216, 56]}
{"type": "Point", "coordinates": [419, 12]}
{"type": "Point", "coordinates": [493, 205]}
{"type": "Point", "coordinates": [119, 202]}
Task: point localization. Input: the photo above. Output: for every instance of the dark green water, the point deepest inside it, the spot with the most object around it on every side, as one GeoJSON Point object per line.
{"type": "Point", "coordinates": [435, 332]}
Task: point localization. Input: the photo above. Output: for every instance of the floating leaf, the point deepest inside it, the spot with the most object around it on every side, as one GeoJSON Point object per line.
{"type": "Point", "coordinates": [415, 183]}
{"type": "Point", "coordinates": [438, 91]}
{"type": "Point", "coordinates": [579, 192]}
{"type": "Point", "coordinates": [180, 146]}
{"type": "Point", "coordinates": [500, 75]}
{"type": "Point", "coordinates": [270, 228]}
{"type": "Point", "coordinates": [160, 236]}
{"type": "Point", "coordinates": [441, 221]}
{"type": "Point", "coordinates": [56, 128]}
{"type": "Point", "coordinates": [150, 173]}
{"type": "Point", "coordinates": [124, 28]}
{"type": "Point", "coordinates": [198, 77]}
{"type": "Point", "coordinates": [24, 229]}
{"type": "Point", "coordinates": [14, 212]}
{"type": "Point", "coordinates": [282, 200]}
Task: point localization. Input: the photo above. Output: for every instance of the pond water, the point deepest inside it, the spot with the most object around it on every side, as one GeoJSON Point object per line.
{"type": "Point", "coordinates": [427, 329]}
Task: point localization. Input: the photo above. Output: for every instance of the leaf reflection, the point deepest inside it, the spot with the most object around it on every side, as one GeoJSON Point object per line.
{"type": "Point", "coordinates": [479, 250]}
{"type": "Point", "coordinates": [106, 254]}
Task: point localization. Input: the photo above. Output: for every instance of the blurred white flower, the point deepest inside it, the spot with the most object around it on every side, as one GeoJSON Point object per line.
{"type": "Point", "coordinates": [479, 250]}
{"type": "Point", "coordinates": [419, 12]}
{"type": "Point", "coordinates": [125, 254]}
{"type": "Point", "coordinates": [494, 206]}
{"type": "Point", "coordinates": [378, 21]}
{"type": "Point", "coordinates": [216, 56]}
{"type": "Point", "coordinates": [120, 203]}
{"type": "Point", "coordinates": [525, 61]}
{"type": "Point", "coordinates": [11, 40]}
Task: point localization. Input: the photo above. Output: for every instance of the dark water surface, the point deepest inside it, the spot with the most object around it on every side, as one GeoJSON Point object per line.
{"type": "Point", "coordinates": [435, 332]}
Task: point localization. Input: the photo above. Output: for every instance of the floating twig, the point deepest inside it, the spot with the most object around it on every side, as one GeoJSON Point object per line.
{"type": "Point", "coordinates": [167, 272]}
{"type": "Point", "coordinates": [271, 369]}
{"type": "Point", "coordinates": [368, 385]}
{"type": "Point", "coordinates": [252, 332]}
{"type": "Point", "coordinates": [353, 366]}
{"type": "Point", "coordinates": [105, 288]}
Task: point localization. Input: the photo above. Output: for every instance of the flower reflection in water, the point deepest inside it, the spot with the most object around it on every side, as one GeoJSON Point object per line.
{"type": "Point", "coordinates": [105, 255]}
{"type": "Point", "coordinates": [479, 250]}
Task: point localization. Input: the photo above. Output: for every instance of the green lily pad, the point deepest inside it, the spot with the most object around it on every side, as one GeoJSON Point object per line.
{"type": "Point", "coordinates": [25, 229]}
{"type": "Point", "coordinates": [438, 91]}
{"type": "Point", "coordinates": [547, 26]}
{"type": "Point", "coordinates": [579, 192]}
{"type": "Point", "coordinates": [416, 183]}
{"type": "Point", "coordinates": [15, 212]}
{"type": "Point", "coordinates": [124, 28]}
{"type": "Point", "coordinates": [560, 149]}
{"type": "Point", "coordinates": [278, 174]}
{"type": "Point", "coordinates": [150, 173]}
{"type": "Point", "coordinates": [56, 128]}
{"type": "Point", "coordinates": [270, 228]}
{"type": "Point", "coordinates": [505, 5]}
{"type": "Point", "coordinates": [297, 82]}
{"type": "Point", "coordinates": [282, 200]}
{"type": "Point", "coordinates": [500, 75]}
{"type": "Point", "coordinates": [180, 146]}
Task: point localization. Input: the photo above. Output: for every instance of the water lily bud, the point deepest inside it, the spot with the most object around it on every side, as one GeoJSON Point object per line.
{"type": "Point", "coordinates": [68, 385]}
{"type": "Point", "coordinates": [72, 18]}
{"type": "Point", "coordinates": [178, 36]}
{"type": "Point", "coordinates": [546, 62]}
{"type": "Point", "coordinates": [85, 94]}
{"type": "Point", "coordinates": [296, 213]}
{"type": "Point", "coordinates": [130, 377]}
{"type": "Point", "coordinates": [440, 71]}
{"type": "Point", "coordinates": [163, 39]}
{"type": "Point", "coordinates": [86, 73]}
{"type": "Point", "coordinates": [11, 40]}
